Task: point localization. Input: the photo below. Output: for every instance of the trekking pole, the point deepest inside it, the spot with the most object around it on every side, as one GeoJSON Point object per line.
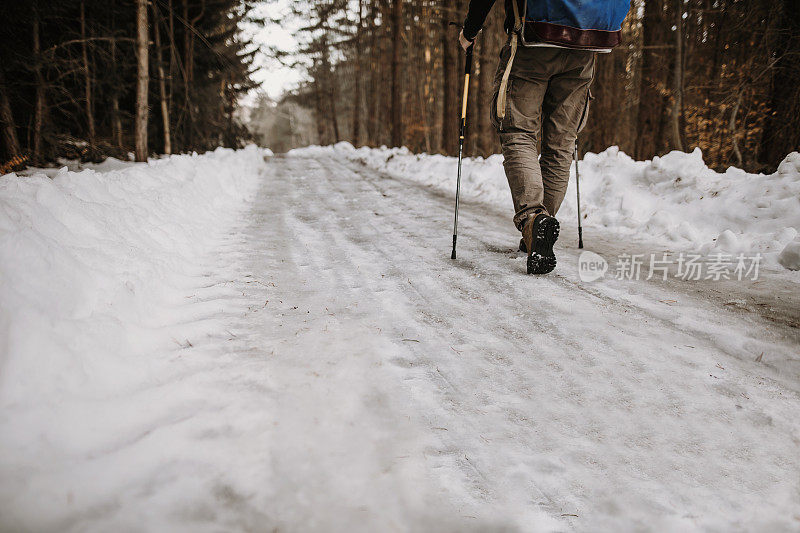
{"type": "Point", "coordinates": [578, 190]}
{"type": "Point", "coordinates": [461, 132]}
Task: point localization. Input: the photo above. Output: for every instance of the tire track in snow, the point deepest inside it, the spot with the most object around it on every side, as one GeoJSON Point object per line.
{"type": "Point", "coordinates": [569, 369]}
{"type": "Point", "coordinates": [350, 257]}
{"type": "Point", "coordinates": [779, 301]}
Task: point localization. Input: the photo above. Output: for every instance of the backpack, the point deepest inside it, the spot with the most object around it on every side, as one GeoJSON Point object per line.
{"type": "Point", "coordinates": [573, 23]}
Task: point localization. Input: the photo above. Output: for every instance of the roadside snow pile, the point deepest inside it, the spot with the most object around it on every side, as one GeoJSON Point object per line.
{"type": "Point", "coordinates": [675, 200]}
{"type": "Point", "coordinates": [87, 257]}
{"type": "Point", "coordinates": [93, 266]}
{"type": "Point", "coordinates": [678, 200]}
{"type": "Point", "coordinates": [790, 256]}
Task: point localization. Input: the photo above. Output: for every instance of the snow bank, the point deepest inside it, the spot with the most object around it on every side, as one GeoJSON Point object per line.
{"type": "Point", "coordinates": [93, 266]}
{"type": "Point", "coordinates": [87, 258]}
{"type": "Point", "coordinates": [674, 200]}
{"type": "Point", "coordinates": [790, 256]}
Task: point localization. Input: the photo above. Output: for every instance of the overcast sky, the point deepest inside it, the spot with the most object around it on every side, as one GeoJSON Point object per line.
{"type": "Point", "coordinates": [274, 78]}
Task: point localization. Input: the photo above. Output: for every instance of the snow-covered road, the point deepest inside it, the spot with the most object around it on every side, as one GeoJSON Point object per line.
{"type": "Point", "coordinates": [341, 373]}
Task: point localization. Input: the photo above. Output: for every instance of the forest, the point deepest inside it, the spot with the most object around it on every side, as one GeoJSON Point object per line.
{"type": "Point", "coordinates": [91, 78]}
{"type": "Point", "coordinates": [721, 75]}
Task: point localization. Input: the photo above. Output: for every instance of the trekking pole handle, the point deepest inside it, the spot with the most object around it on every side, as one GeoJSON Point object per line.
{"type": "Point", "coordinates": [468, 62]}
{"type": "Point", "coordinates": [464, 101]}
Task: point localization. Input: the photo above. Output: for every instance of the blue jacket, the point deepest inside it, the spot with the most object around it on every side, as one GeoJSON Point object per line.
{"type": "Point", "coordinates": [570, 23]}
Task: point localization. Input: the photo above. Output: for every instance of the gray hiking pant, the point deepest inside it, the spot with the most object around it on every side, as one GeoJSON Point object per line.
{"type": "Point", "coordinates": [548, 93]}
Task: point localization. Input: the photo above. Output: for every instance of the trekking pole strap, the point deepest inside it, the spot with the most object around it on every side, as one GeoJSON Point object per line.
{"type": "Point", "coordinates": [501, 95]}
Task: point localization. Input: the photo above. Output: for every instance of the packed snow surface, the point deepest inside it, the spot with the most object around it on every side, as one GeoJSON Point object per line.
{"type": "Point", "coordinates": [228, 342]}
{"type": "Point", "coordinates": [675, 199]}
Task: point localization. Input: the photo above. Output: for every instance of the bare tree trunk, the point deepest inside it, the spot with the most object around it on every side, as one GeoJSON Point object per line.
{"type": "Point", "coordinates": [609, 92]}
{"type": "Point", "coordinates": [374, 85]}
{"type": "Point", "coordinates": [173, 69]}
{"type": "Point", "coordinates": [87, 76]}
{"type": "Point", "coordinates": [330, 79]}
{"type": "Point", "coordinates": [382, 101]}
{"type": "Point", "coordinates": [734, 132]}
{"type": "Point", "coordinates": [319, 113]}
{"type": "Point", "coordinates": [188, 70]}
{"type": "Point", "coordinates": [39, 106]}
{"type": "Point", "coordinates": [781, 134]}
{"type": "Point", "coordinates": [332, 103]}
{"type": "Point", "coordinates": [190, 67]}
{"type": "Point", "coordinates": [172, 50]}
{"type": "Point", "coordinates": [676, 140]}
{"type": "Point", "coordinates": [422, 78]}
{"type": "Point", "coordinates": [357, 77]}
{"type": "Point", "coordinates": [116, 120]}
{"type": "Point", "coordinates": [230, 105]}
{"type": "Point", "coordinates": [422, 104]}
{"type": "Point", "coordinates": [397, 97]}
{"type": "Point", "coordinates": [652, 100]}
{"type": "Point", "coordinates": [427, 89]}
{"type": "Point", "coordinates": [142, 80]}
{"type": "Point", "coordinates": [435, 98]}
{"type": "Point", "coordinates": [7, 119]}
{"type": "Point", "coordinates": [162, 84]}
{"type": "Point", "coordinates": [450, 114]}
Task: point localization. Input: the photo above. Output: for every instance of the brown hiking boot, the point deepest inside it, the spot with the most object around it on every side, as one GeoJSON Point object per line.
{"type": "Point", "coordinates": [539, 234]}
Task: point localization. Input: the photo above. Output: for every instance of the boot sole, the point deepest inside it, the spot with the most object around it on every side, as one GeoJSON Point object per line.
{"type": "Point", "coordinates": [542, 259]}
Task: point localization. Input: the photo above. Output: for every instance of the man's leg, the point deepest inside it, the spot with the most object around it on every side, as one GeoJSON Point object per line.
{"type": "Point", "coordinates": [564, 111]}
{"type": "Point", "coordinates": [519, 130]}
